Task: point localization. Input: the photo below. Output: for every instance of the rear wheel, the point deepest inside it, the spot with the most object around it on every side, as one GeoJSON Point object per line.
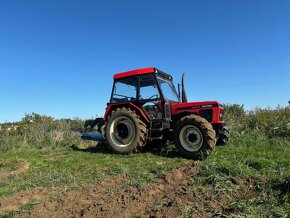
{"type": "Point", "coordinates": [194, 137]}
{"type": "Point", "coordinates": [125, 131]}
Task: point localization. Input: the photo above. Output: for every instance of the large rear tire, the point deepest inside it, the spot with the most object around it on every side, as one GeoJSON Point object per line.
{"type": "Point", "coordinates": [195, 137]}
{"type": "Point", "coordinates": [125, 131]}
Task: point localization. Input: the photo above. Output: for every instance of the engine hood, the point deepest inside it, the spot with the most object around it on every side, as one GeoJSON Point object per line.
{"type": "Point", "coordinates": [195, 105]}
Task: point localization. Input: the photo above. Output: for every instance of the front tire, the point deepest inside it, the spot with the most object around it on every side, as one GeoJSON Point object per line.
{"type": "Point", "coordinates": [195, 137]}
{"type": "Point", "coordinates": [125, 131]}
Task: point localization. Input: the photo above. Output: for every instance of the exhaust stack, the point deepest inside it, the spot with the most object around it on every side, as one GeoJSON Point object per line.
{"type": "Point", "coordinates": [184, 96]}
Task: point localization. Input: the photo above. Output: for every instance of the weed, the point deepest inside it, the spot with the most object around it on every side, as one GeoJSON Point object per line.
{"type": "Point", "coordinates": [165, 202]}
{"type": "Point", "coordinates": [116, 170]}
{"type": "Point", "coordinates": [133, 183]}
{"type": "Point", "coordinates": [189, 210]}
{"type": "Point", "coordinates": [23, 209]}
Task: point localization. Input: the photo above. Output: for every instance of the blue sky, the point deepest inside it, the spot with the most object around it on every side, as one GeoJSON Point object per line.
{"type": "Point", "coordinates": [58, 57]}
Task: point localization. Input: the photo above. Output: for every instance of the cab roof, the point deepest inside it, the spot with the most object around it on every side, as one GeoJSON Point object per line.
{"type": "Point", "coordinates": [149, 70]}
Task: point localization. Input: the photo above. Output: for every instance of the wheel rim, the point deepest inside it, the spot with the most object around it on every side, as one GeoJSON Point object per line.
{"type": "Point", "coordinates": [122, 131]}
{"type": "Point", "coordinates": [191, 138]}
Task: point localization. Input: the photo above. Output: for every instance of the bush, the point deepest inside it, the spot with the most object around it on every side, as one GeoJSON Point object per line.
{"type": "Point", "coordinates": [235, 116]}
{"type": "Point", "coordinates": [267, 122]}
{"type": "Point", "coordinates": [40, 131]}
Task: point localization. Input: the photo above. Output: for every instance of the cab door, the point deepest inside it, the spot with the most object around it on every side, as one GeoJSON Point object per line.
{"type": "Point", "coordinates": [149, 97]}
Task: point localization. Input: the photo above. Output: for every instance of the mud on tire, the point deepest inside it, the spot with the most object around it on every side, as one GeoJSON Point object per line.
{"type": "Point", "coordinates": [125, 131]}
{"type": "Point", "coordinates": [195, 137]}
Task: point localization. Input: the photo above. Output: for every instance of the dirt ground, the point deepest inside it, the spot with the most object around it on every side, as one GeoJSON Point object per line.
{"type": "Point", "coordinates": [174, 194]}
{"type": "Point", "coordinates": [23, 168]}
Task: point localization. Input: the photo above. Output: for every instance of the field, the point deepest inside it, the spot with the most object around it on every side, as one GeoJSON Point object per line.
{"type": "Point", "coordinates": [46, 171]}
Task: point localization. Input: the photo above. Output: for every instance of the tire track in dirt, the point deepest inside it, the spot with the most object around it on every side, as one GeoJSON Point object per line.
{"type": "Point", "coordinates": [166, 197]}
{"type": "Point", "coordinates": [22, 169]}
{"type": "Point", "coordinates": [14, 202]}
{"type": "Point", "coordinates": [109, 199]}
{"type": "Point", "coordinates": [71, 203]}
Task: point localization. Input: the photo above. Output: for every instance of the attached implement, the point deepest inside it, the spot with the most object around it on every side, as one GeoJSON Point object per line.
{"type": "Point", "coordinates": [145, 106]}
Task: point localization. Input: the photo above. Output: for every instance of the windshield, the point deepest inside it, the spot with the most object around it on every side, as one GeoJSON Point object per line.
{"type": "Point", "coordinates": [168, 89]}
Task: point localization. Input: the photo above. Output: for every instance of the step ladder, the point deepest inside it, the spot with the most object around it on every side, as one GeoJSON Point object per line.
{"type": "Point", "coordinates": [156, 130]}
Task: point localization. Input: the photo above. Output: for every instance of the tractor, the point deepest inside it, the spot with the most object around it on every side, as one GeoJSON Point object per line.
{"type": "Point", "coordinates": [145, 107]}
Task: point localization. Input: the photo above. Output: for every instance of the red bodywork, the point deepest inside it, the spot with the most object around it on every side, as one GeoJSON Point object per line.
{"type": "Point", "coordinates": [111, 107]}
{"type": "Point", "coordinates": [135, 72]}
{"type": "Point", "coordinates": [197, 107]}
{"type": "Point", "coordinates": [178, 109]}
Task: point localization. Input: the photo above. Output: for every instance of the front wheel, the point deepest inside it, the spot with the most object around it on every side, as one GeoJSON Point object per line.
{"type": "Point", "coordinates": [194, 137]}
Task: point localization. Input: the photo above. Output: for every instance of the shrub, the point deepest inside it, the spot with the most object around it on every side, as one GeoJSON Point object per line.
{"type": "Point", "coordinates": [40, 131]}
{"type": "Point", "coordinates": [235, 116]}
{"type": "Point", "coordinates": [268, 122]}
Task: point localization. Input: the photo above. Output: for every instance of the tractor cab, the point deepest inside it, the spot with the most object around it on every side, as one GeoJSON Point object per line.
{"type": "Point", "coordinates": [150, 90]}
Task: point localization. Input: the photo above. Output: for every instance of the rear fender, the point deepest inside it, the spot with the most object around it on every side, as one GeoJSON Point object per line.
{"type": "Point", "coordinates": [139, 111]}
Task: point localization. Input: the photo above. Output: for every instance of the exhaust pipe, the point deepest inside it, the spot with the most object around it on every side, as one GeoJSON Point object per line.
{"type": "Point", "coordinates": [184, 96]}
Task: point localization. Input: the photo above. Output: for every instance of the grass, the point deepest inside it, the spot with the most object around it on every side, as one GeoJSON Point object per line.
{"type": "Point", "coordinates": [70, 167]}
{"type": "Point", "coordinates": [248, 157]}
{"type": "Point", "coordinates": [245, 158]}
{"type": "Point", "coordinates": [264, 162]}
{"type": "Point", "coordinates": [23, 209]}
{"type": "Point", "coordinates": [9, 165]}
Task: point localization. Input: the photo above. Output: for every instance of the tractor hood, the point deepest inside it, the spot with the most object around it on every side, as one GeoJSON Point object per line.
{"type": "Point", "coordinates": [181, 107]}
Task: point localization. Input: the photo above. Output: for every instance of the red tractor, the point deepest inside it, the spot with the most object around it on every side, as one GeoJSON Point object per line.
{"type": "Point", "coordinates": [145, 106]}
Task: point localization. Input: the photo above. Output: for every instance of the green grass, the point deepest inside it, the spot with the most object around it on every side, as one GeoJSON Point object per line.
{"type": "Point", "coordinates": [9, 165]}
{"type": "Point", "coordinates": [69, 167]}
{"type": "Point", "coordinates": [252, 156]}
{"type": "Point", "coordinates": [23, 209]}
{"type": "Point", "coordinates": [265, 162]}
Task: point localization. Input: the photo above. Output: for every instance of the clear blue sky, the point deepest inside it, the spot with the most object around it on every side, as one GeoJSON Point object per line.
{"type": "Point", "coordinates": [58, 57]}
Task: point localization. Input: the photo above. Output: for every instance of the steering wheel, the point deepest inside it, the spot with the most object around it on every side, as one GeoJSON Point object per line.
{"type": "Point", "coordinates": [152, 97]}
{"type": "Point", "coordinates": [121, 95]}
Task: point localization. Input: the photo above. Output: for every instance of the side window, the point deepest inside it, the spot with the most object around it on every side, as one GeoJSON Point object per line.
{"type": "Point", "coordinates": [125, 90]}
{"type": "Point", "coordinates": [148, 88]}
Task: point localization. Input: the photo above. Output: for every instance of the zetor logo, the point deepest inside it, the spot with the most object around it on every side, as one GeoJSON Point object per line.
{"type": "Point", "coordinates": [209, 105]}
